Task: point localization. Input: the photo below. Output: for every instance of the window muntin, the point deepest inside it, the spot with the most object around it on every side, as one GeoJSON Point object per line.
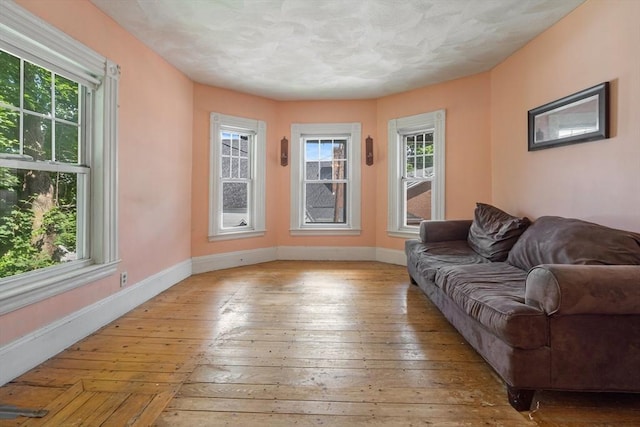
{"type": "Point", "coordinates": [41, 167]}
{"type": "Point", "coordinates": [417, 178]}
{"type": "Point", "coordinates": [415, 172]}
{"type": "Point", "coordinates": [326, 180]}
{"type": "Point", "coordinates": [237, 177]}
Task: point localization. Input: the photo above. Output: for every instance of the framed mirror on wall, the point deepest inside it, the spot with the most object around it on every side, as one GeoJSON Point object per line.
{"type": "Point", "coordinates": [580, 117]}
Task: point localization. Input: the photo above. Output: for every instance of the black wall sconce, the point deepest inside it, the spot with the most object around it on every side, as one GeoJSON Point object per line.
{"type": "Point", "coordinates": [369, 150]}
{"type": "Point", "coordinates": [284, 151]}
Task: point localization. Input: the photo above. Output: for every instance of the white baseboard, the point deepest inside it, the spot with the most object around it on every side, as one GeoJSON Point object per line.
{"type": "Point", "coordinates": [300, 253]}
{"type": "Point", "coordinates": [326, 253]}
{"type": "Point", "coordinates": [391, 256]}
{"type": "Point", "coordinates": [25, 353]}
{"type": "Point", "coordinates": [202, 264]}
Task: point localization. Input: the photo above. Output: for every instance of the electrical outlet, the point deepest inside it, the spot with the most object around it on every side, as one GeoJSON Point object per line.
{"type": "Point", "coordinates": [123, 279]}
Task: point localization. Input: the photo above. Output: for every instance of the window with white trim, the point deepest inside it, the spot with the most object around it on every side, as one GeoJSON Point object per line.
{"type": "Point", "coordinates": [58, 195]}
{"type": "Point", "coordinates": [416, 171]}
{"type": "Point", "coordinates": [237, 177]}
{"type": "Point", "coordinates": [325, 178]}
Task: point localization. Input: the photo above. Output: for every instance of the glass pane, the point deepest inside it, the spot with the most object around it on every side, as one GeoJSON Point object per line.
{"type": "Point", "coordinates": [66, 99]}
{"type": "Point", "coordinates": [312, 170]}
{"type": "Point", "coordinates": [234, 204]}
{"type": "Point", "coordinates": [37, 219]}
{"type": "Point", "coordinates": [235, 145]}
{"type": "Point", "coordinates": [340, 149]}
{"type": "Point", "coordinates": [226, 144]}
{"type": "Point", "coordinates": [313, 150]}
{"type": "Point", "coordinates": [244, 146]}
{"type": "Point", "coordinates": [340, 169]}
{"type": "Point", "coordinates": [225, 164]}
{"type": "Point", "coordinates": [326, 171]}
{"type": "Point", "coordinates": [244, 168]}
{"type": "Point", "coordinates": [418, 201]}
{"type": "Point", "coordinates": [9, 131]}
{"type": "Point", "coordinates": [37, 137]}
{"type": "Point", "coordinates": [410, 167]}
{"type": "Point", "coordinates": [37, 89]}
{"type": "Point", "coordinates": [234, 167]}
{"type": "Point", "coordinates": [9, 79]}
{"type": "Point", "coordinates": [325, 203]}
{"type": "Point", "coordinates": [66, 143]}
{"type": "Point", "coordinates": [326, 149]}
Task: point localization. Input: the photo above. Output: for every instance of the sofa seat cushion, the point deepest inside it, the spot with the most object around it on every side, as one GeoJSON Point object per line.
{"type": "Point", "coordinates": [493, 294]}
{"type": "Point", "coordinates": [429, 257]}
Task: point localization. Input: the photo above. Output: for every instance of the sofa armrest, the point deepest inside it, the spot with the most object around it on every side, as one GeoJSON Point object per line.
{"type": "Point", "coordinates": [563, 289]}
{"type": "Point", "coordinates": [444, 231]}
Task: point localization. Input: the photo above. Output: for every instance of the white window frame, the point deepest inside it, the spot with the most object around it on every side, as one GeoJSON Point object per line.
{"type": "Point", "coordinates": [353, 133]}
{"type": "Point", "coordinates": [397, 128]}
{"type": "Point", "coordinates": [27, 36]}
{"type": "Point", "coordinates": [257, 163]}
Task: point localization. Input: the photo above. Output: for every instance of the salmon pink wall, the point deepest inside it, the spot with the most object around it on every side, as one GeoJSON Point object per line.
{"type": "Point", "coordinates": [209, 99]}
{"type": "Point", "coordinates": [597, 181]}
{"type": "Point", "coordinates": [467, 152]}
{"type": "Point", "coordinates": [154, 156]}
{"type": "Point", "coordinates": [360, 111]}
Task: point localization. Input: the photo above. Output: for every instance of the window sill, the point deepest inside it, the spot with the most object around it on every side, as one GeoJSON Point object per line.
{"type": "Point", "coordinates": [316, 231]}
{"type": "Point", "coordinates": [404, 234]}
{"type": "Point", "coordinates": [236, 235]}
{"type": "Point", "coordinates": [33, 288]}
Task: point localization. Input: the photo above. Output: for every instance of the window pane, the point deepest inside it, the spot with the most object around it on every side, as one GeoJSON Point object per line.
{"type": "Point", "coordinates": [410, 167]}
{"type": "Point", "coordinates": [226, 144]}
{"type": "Point", "coordinates": [312, 148]}
{"type": "Point", "coordinates": [339, 169]}
{"type": "Point", "coordinates": [340, 149]}
{"type": "Point", "coordinates": [235, 144]}
{"type": "Point", "coordinates": [225, 163]}
{"type": "Point", "coordinates": [66, 99]}
{"type": "Point", "coordinates": [326, 149]}
{"type": "Point", "coordinates": [234, 204]}
{"type": "Point", "coordinates": [418, 201]}
{"type": "Point", "coordinates": [234, 167]}
{"type": "Point", "coordinates": [312, 170]}
{"type": "Point", "coordinates": [37, 219]}
{"type": "Point", "coordinates": [326, 171]}
{"type": "Point", "coordinates": [37, 137]}
{"type": "Point", "coordinates": [37, 89]}
{"type": "Point", "coordinates": [9, 131]}
{"type": "Point", "coordinates": [244, 146]}
{"type": "Point", "coordinates": [244, 168]}
{"type": "Point", "coordinates": [66, 143]}
{"type": "Point", "coordinates": [325, 203]}
{"type": "Point", "coordinates": [9, 79]}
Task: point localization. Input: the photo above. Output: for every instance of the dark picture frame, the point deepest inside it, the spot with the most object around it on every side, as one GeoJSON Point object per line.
{"type": "Point", "coordinates": [580, 117]}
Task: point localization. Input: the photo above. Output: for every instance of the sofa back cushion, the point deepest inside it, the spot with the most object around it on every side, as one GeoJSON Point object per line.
{"type": "Point", "coordinates": [493, 232]}
{"type": "Point", "coordinates": [556, 240]}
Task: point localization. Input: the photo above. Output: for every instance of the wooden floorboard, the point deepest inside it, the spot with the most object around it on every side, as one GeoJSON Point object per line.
{"type": "Point", "coordinates": [289, 343]}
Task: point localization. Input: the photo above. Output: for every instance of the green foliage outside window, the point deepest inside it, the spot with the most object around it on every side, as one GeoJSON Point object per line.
{"type": "Point", "coordinates": [37, 208]}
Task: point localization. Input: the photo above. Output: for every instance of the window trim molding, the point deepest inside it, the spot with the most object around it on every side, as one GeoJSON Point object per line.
{"type": "Point", "coordinates": [218, 122]}
{"type": "Point", "coordinates": [32, 38]}
{"type": "Point", "coordinates": [351, 227]}
{"type": "Point", "coordinates": [435, 120]}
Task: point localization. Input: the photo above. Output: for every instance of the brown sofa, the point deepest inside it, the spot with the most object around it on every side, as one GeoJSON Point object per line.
{"type": "Point", "coordinates": [551, 305]}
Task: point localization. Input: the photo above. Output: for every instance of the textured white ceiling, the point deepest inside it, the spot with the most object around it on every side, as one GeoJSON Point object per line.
{"type": "Point", "coordinates": [333, 49]}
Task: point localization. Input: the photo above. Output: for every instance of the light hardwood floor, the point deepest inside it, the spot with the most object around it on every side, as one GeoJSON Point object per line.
{"type": "Point", "coordinates": [289, 343]}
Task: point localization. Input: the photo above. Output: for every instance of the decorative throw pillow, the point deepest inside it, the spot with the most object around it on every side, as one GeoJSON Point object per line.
{"type": "Point", "coordinates": [493, 232]}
